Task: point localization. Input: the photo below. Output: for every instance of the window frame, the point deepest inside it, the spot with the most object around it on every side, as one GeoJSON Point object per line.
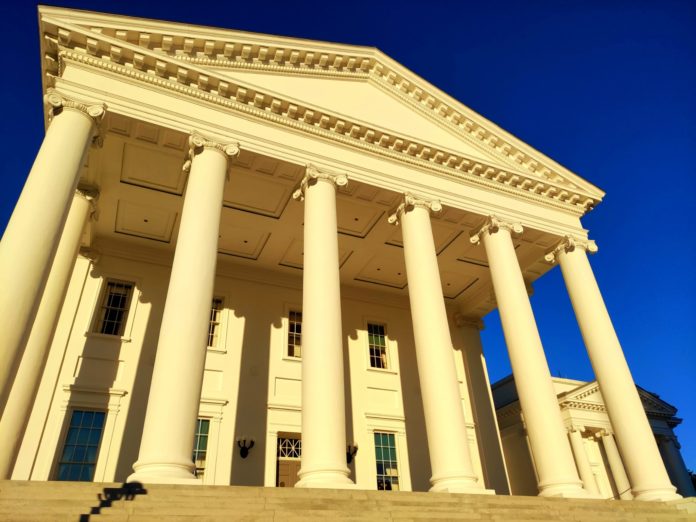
{"type": "Point", "coordinates": [386, 360]}
{"type": "Point", "coordinates": [391, 356]}
{"type": "Point", "coordinates": [67, 424]}
{"type": "Point", "coordinates": [98, 300]}
{"type": "Point", "coordinates": [196, 438]}
{"type": "Point", "coordinates": [397, 459]}
{"type": "Point", "coordinates": [221, 344]}
{"type": "Point", "coordinates": [288, 309]}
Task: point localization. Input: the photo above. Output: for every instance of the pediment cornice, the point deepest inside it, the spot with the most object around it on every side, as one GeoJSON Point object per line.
{"type": "Point", "coordinates": [192, 63]}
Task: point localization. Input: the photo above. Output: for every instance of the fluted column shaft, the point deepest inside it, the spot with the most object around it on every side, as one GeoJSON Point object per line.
{"type": "Point", "coordinates": [616, 465]}
{"type": "Point", "coordinates": [547, 435]}
{"type": "Point", "coordinates": [448, 443]}
{"type": "Point", "coordinates": [25, 254]}
{"type": "Point", "coordinates": [581, 460]}
{"type": "Point", "coordinates": [172, 409]}
{"type": "Point", "coordinates": [19, 403]}
{"type": "Point", "coordinates": [633, 433]}
{"type": "Point", "coordinates": [323, 401]}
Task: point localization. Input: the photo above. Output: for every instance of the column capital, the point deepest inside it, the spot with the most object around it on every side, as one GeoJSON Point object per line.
{"type": "Point", "coordinates": [58, 101]}
{"type": "Point", "coordinates": [570, 243]}
{"type": "Point", "coordinates": [90, 253]}
{"type": "Point", "coordinates": [492, 225]}
{"type": "Point", "coordinates": [409, 203]}
{"type": "Point", "coordinates": [462, 320]}
{"type": "Point", "coordinates": [314, 174]}
{"type": "Point", "coordinates": [574, 427]}
{"type": "Point", "coordinates": [198, 143]}
{"type": "Point", "coordinates": [90, 194]}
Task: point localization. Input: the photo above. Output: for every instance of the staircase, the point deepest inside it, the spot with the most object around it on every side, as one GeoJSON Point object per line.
{"type": "Point", "coordinates": [94, 502]}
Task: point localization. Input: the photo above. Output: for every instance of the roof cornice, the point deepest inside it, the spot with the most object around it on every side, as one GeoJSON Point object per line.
{"type": "Point", "coordinates": [183, 65]}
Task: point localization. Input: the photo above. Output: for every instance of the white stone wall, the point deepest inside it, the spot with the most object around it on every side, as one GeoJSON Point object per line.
{"type": "Point", "coordinates": [250, 388]}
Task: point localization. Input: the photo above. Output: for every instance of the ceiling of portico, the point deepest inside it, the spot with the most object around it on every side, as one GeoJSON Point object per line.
{"type": "Point", "coordinates": [141, 182]}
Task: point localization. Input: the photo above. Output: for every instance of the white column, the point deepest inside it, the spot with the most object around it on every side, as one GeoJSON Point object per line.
{"type": "Point", "coordinates": [675, 461]}
{"type": "Point", "coordinates": [581, 460]}
{"type": "Point", "coordinates": [323, 401]}
{"type": "Point", "coordinates": [616, 465]}
{"type": "Point", "coordinates": [633, 433]}
{"type": "Point", "coordinates": [29, 242]}
{"type": "Point", "coordinates": [19, 403]}
{"type": "Point", "coordinates": [547, 435]}
{"type": "Point", "coordinates": [172, 409]}
{"type": "Point", "coordinates": [448, 443]}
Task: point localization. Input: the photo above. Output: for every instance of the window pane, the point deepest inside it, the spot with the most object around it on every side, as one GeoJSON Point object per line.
{"type": "Point", "coordinates": [80, 449]}
{"type": "Point", "coordinates": [385, 457]}
{"type": "Point", "coordinates": [114, 308]}
{"type": "Point", "coordinates": [200, 446]}
{"type": "Point", "coordinates": [294, 334]}
{"type": "Point", "coordinates": [377, 345]}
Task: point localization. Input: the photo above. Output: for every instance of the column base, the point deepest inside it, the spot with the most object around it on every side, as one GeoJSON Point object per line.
{"type": "Point", "coordinates": [657, 495]}
{"type": "Point", "coordinates": [469, 485]}
{"type": "Point", "coordinates": [565, 490]}
{"type": "Point", "coordinates": [164, 473]}
{"type": "Point", "coordinates": [327, 479]}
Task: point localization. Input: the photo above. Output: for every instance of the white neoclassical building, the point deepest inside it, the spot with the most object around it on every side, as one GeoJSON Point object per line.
{"type": "Point", "coordinates": [246, 259]}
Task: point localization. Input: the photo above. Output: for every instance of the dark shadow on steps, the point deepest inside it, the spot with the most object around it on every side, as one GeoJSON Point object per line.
{"type": "Point", "coordinates": [128, 491]}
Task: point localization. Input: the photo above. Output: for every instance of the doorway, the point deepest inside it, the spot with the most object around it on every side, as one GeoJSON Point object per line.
{"type": "Point", "coordinates": [288, 460]}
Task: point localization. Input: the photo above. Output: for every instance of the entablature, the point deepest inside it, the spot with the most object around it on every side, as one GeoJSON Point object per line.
{"type": "Point", "coordinates": [182, 70]}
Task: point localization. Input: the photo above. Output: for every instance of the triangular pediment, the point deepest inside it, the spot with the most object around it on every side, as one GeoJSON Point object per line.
{"type": "Point", "coordinates": [589, 395]}
{"type": "Point", "coordinates": [361, 100]}
{"type": "Point", "coordinates": [356, 95]}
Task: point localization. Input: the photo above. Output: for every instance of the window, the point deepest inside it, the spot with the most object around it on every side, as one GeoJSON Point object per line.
{"type": "Point", "coordinates": [214, 326]}
{"type": "Point", "coordinates": [113, 311]}
{"type": "Point", "coordinates": [385, 455]}
{"type": "Point", "coordinates": [79, 456]}
{"type": "Point", "coordinates": [377, 342]}
{"type": "Point", "coordinates": [295, 334]}
{"type": "Point", "coordinates": [289, 448]}
{"type": "Point", "coordinates": [200, 446]}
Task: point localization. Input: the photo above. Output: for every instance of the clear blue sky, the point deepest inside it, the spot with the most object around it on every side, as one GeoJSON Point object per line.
{"type": "Point", "coordinates": [606, 88]}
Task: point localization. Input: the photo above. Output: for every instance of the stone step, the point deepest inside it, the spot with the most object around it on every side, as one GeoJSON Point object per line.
{"type": "Point", "coordinates": [58, 501]}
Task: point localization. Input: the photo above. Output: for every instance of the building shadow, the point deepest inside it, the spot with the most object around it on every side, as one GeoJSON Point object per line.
{"type": "Point", "coordinates": [127, 492]}
{"type": "Point", "coordinates": [252, 394]}
{"type": "Point", "coordinates": [348, 401]}
{"type": "Point", "coordinates": [135, 418]}
{"type": "Point", "coordinates": [416, 436]}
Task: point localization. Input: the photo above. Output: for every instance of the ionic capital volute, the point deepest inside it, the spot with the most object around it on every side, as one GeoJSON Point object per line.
{"type": "Point", "coordinates": [409, 203]}
{"type": "Point", "coordinates": [492, 225]}
{"type": "Point", "coordinates": [568, 244]}
{"type": "Point", "coordinates": [576, 427]}
{"type": "Point", "coordinates": [92, 254]}
{"type": "Point", "coordinates": [198, 143]}
{"type": "Point", "coordinates": [313, 175]}
{"type": "Point", "coordinates": [90, 194]}
{"type": "Point", "coordinates": [57, 102]}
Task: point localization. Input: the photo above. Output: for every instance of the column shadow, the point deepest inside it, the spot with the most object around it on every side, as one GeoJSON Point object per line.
{"type": "Point", "coordinates": [252, 395]}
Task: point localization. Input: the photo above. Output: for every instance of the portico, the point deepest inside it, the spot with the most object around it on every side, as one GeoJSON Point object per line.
{"type": "Point", "coordinates": [281, 202]}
